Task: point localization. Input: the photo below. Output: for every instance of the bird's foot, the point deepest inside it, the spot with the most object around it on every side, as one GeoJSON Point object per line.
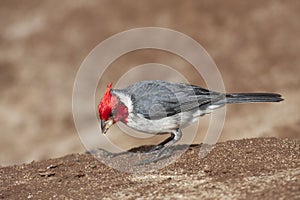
{"type": "Point", "coordinates": [163, 154]}
{"type": "Point", "coordinates": [153, 149]}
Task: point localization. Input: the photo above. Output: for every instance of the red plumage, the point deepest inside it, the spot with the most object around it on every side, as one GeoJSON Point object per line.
{"type": "Point", "coordinates": [107, 103]}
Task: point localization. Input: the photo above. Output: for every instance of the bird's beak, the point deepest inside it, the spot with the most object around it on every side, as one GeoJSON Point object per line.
{"type": "Point", "coordinates": [105, 125]}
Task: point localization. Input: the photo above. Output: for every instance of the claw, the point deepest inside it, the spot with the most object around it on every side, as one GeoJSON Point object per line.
{"type": "Point", "coordinates": [165, 151]}
{"type": "Point", "coordinates": [163, 154]}
{"type": "Point", "coordinates": [153, 149]}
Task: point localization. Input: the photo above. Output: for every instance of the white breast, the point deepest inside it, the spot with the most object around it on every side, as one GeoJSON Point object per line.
{"type": "Point", "coordinates": [163, 125]}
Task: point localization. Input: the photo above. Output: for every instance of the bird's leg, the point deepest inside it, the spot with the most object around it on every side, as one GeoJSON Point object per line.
{"type": "Point", "coordinates": [175, 137]}
{"type": "Point", "coordinates": [162, 144]}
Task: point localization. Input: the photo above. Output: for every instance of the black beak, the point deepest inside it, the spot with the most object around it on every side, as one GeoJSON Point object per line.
{"type": "Point", "coordinates": [103, 123]}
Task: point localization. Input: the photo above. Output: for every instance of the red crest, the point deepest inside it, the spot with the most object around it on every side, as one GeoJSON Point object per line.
{"type": "Point", "coordinates": [107, 103]}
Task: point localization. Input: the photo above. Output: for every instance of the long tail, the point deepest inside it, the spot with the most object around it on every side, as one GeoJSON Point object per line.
{"type": "Point", "coordinates": [252, 97]}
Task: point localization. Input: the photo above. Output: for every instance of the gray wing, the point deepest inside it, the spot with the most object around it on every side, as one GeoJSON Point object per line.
{"type": "Point", "coordinates": [158, 99]}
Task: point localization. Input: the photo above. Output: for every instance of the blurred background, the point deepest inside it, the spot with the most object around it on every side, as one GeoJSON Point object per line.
{"type": "Point", "coordinates": [255, 45]}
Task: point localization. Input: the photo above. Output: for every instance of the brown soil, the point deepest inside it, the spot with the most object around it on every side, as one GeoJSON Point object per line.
{"type": "Point", "coordinates": [255, 45]}
{"type": "Point", "coordinates": [265, 168]}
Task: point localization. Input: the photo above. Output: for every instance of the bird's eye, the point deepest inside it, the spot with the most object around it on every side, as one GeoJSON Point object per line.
{"type": "Point", "coordinates": [112, 113]}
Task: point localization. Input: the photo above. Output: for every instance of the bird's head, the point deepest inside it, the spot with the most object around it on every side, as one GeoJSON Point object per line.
{"type": "Point", "coordinates": [111, 109]}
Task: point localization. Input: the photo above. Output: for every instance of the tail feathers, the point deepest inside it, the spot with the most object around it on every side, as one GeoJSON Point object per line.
{"type": "Point", "coordinates": [252, 97]}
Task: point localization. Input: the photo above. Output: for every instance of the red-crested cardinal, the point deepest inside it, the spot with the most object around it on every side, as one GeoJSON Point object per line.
{"type": "Point", "coordinates": [159, 107]}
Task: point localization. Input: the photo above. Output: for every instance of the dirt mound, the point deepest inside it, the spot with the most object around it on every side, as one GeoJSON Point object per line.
{"type": "Point", "coordinates": [265, 168]}
{"type": "Point", "coordinates": [253, 43]}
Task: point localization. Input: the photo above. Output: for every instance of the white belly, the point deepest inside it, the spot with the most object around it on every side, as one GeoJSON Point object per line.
{"type": "Point", "coordinates": [163, 125]}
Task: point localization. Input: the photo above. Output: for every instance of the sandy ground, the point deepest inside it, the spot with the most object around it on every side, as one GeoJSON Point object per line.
{"type": "Point", "coordinates": [265, 168]}
{"type": "Point", "coordinates": [255, 45]}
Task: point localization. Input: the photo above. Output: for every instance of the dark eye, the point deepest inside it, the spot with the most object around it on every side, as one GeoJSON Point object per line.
{"type": "Point", "coordinates": [112, 113]}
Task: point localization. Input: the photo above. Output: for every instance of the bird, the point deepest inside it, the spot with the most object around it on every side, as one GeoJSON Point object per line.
{"type": "Point", "coordinates": [161, 107]}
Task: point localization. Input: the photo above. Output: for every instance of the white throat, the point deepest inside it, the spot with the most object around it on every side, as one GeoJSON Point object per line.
{"type": "Point", "coordinates": [125, 99]}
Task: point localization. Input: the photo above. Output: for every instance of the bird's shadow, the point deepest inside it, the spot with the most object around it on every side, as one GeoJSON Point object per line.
{"type": "Point", "coordinates": [145, 149]}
